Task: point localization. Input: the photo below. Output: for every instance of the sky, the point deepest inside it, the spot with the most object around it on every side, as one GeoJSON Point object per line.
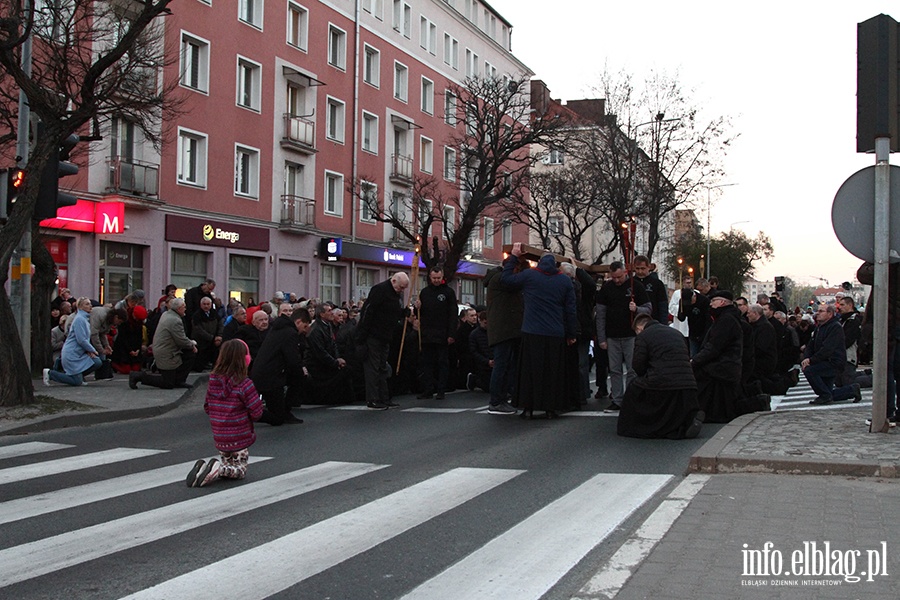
{"type": "Point", "coordinates": [785, 74]}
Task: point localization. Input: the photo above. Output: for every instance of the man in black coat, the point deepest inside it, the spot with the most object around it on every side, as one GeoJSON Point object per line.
{"type": "Point", "coordinates": [279, 357]}
{"type": "Point", "coordinates": [328, 372]}
{"type": "Point", "coordinates": [380, 316]}
{"type": "Point", "coordinates": [824, 358]}
{"type": "Point", "coordinates": [192, 299]}
{"type": "Point", "coordinates": [717, 365]}
{"type": "Point", "coordinates": [694, 307]}
{"type": "Point", "coordinates": [437, 323]}
{"type": "Point", "coordinates": [656, 289]}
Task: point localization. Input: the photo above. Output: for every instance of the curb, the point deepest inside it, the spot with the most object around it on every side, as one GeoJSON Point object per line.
{"type": "Point", "coordinates": [104, 416]}
{"type": "Point", "coordinates": [711, 458]}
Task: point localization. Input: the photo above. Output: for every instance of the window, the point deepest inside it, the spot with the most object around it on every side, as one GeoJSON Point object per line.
{"type": "Point", "coordinates": [426, 154]}
{"type": "Point", "coordinates": [185, 266]}
{"type": "Point", "coordinates": [249, 75]}
{"type": "Point", "coordinates": [194, 63]}
{"type": "Point", "coordinates": [334, 193]}
{"type": "Point", "coordinates": [488, 232]}
{"type": "Point", "coordinates": [365, 280]}
{"type": "Point", "coordinates": [427, 96]}
{"type": "Point", "coordinates": [425, 210]}
{"type": "Point", "coordinates": [472, 11]}
{"type": "Point", "coordinates": [298, 26]}
{"type": "Point", "coordinates": [449, 217]}
{"type": "Point", "coordinates": [121, 143]}
{"type": "Point", "coordinates": [402, 18]}
{"type": "Point", "coordinates": [334, 120]}
{"type": "Point", "coordinates": [370, 133]}
{"type": "Point", "coordinates": [450, 108]}
{"type": "Point", "coordinates": [368, 200]}
{"type": "Point", "coordinates": [428, 35]}
{"type": "Point", "coordinates": [192, 147]}
{"type": "Point", "coordinates": [250, 12]}
{"type": "Point", "coordinates": [401, 81]}
{"type": "Point", "coordinates": [372, 66]}
{"type": "Point", "coordinates": [374, 7]}
{"type": "Point", "coordinates": [243, 278]}
{"type": "Point", "coordinates": [471, 64]}
{"type": "Point", "coordinates": [554, 226]}
{"type": "Point", "coordinates": [246, 171]}
{"type": "Point", "coordinates": [337, 47]}
{"type": "Point", "coordinates": [506, 233]}
{"type": "Point", "coordinates": [555, 157]}
{"type": "Point", "coordinates": [330, 284]}
{"type": "Point", "coordinates": [490, 71]}
{"type": "Point", "coordinates": [451, 51]}
{"type": "Point", "coordinates": [449, 164]}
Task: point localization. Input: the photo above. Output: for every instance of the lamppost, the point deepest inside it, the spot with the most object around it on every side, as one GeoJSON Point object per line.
{"type": "Point", "coordinates": [708, 204]}
{"type": "Point", "coordinates": [656, 135]}
{"type": "Point", "coordinates": [680, 272]}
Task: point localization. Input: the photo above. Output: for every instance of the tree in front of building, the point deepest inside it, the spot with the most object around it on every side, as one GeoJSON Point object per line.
{"type": "Point", "coordinates": [90, 61]}
{"type": "Point", "coordinates": [734, 257]}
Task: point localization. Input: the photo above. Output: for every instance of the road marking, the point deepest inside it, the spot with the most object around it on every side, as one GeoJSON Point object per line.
{"type": "Point", "coordinates": [330, 542]}
{"type": "Point", "coordinates": [545, 546]}
{"type": "Point", "coordinates": [24, 562]}
{"type": "Point", "coordinates": [74, 463]}
{"type": "Point", "coordinates": [32, 506]}
{"type": "Point", "coordinates": [426, 409]}
{"type": "Point", "coordinates": [609, 580]}
{"type": "Point", "coordinates": [30, 448]}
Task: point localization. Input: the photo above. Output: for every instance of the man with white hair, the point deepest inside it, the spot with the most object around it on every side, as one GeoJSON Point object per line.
{"type": "Point", "coordinates": [380, 316]}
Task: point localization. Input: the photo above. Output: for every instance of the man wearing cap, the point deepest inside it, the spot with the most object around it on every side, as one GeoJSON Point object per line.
{"type": "Point", "coordinates": [717, 365]}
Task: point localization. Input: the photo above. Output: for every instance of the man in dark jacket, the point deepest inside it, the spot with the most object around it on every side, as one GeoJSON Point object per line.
{"type": "Point", "coordinates": [850, 323]}
{"type": "Point", "coordinates": [505, 308]}
{"type": "Point", "coordinates": [192, 299]}
{"type": "Point", "coordinates": [656, 289]}
{"type": "Point", "coordinates": [437, 323]}
{"type": "Point", "coordinates": [482, 356]}
{"type": "Point", "coordinates": [329, 376]}
{"type": "Point", "coordinates": [207, 332]}
{"type": "Point", "coordinates": [278, 358]}
{"type": "Point", "coordinates": [717, 365]}
{"type": "Point", "coordinates": [661, 402]}
{"type": "Point", "coordinates": [824, 358]}
{"type": "Point", "coordinates": [695, 308]}
{"type": "Point", "coordinates": [380, 316]}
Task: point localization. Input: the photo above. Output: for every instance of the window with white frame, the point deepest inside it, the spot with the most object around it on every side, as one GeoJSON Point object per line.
{"type": "Point", "coordinates": [427, 35]}
{"type": "Point", "coordinates": [330, 283]}
{"type": "Point", "coordinates": [337, 47]}
{"type": "Point", "coordinates": [554, 226]}
{"type": "Point", "coordinates": [556, 156]}
{"type": "Point", "coordinates": [402, 18]}
{"type": "Point", "coordinates": [334, 193]}
{"type": "Point", "coordinates": [449, 217]}
{"type": "Point", "coordinates": [370, 132]}
{"type": "Point", "coordinates": [506, 233]}
{"type": "Point", "coordinates": [450, 108]}
{"type": "Point", "coordinates": [249, 77]}
{"type": "Point", "coordinates": [472, 11]}
{"type": "Point", "coordinates": [426, 208]}
{"type": "Point", "coordinates": [427, 96]}
{"type": "Point", "coordinates": [246, 171]}
{"type": "Point", "coordinates": [490, 71]}
{"type": "Point", "coordinates": [367, 201]}
{"type": "Point", "coordinates": [334, 119]}
{"type": "Point", "coordinates": [192, 157]}
{"type": "Point", "coordinates": [372, 66]}
{"type": "Point", "coordinates": [488, 232]}
{"type": "Point", "coordinates": [449, 164]}
{"type": "Point", "coordinates": [471, 64]}
{"type": "Point", "coordinates": [298, 26]}
{"type": "Point", "coordinates": [374, 7]}
{"type": "Point", "coordinates": [426, 154]}
{"type": "Point", "coordinates": [451, 51]}
{"type": "Point", "coordinates": [401, 81]}
{"type": "Point", "coordinates": [194, 62]}
{"type": "Point", "coordinates": [251, 12]}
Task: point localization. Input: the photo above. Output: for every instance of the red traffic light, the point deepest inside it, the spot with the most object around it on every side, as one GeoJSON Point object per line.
{"type": "Point", "coordinates": [16, 179]}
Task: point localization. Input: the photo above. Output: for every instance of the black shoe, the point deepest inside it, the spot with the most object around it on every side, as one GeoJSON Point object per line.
{"type": "Point", "coordinates": [184, 385]}
{"type": "Point", "coordinates": [424, 396]}
{"type": "Point", "coordinates": [390, 404]}
{"type": "Point", "coordinates": [821, 401]}
{"type": "Point", "coordinates": [612, 408]}
{"type": "Point", "coordinates": [290, 418]}
{"type": "Point", "coordinates": [601, 394]}
{"type": "Point", "coordinates": [376, 406]}
{"type": "Point", "coordinates": [795, 376]}
{"type": "Point", "coordinates": [133, 379]}
{"type": "Point", "coordinates": [694, 429]}
{"type": "Point", "coordinates": [440, 396]}
{"type": "Point", "coordinates": [470, 382]}
{"type": "Point", "coordinates": [857, 393]}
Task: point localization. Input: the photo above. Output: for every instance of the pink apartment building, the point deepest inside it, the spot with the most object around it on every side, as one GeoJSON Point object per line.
{"type": "Point", "coordinates": [287, 103]}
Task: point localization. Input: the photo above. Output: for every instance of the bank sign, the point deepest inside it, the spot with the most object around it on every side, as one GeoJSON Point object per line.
{"type": "Point", "coordinates": [212, 232]}
{"type": "Point", "coordinates": [92, 217]}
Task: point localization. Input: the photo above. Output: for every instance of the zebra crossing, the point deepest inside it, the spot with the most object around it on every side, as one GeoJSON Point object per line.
{"type": "Point", "coordinates": [547, 544]}
{"type": "Point", "coordinates": [799, 396]}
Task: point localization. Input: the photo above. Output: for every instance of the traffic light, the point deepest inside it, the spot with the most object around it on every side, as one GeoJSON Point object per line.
{"type": "Point", "coordinates": [50, 199]}
{"type": "Point", "coordinates": [11, 183]}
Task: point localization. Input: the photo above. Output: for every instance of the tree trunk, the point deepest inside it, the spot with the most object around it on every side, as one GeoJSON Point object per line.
{"type": "Point", "coordinates": [17, 388]}
{"type": "Point", "coordinates": [43, 282]}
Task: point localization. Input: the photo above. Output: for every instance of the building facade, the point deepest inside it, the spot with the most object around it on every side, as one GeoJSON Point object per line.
{"type": "Point", "coordinates": [287, 106]}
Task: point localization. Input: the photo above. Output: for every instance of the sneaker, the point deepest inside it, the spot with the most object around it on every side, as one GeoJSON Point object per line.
{"type": "Point", "coordinates": [612, 408]}
{"type": "Point", "coordinates": [857, 393]}
{"type": "Point", "coordinates": [133, 378]}
{"type": "Point", "coordinates": [208, 474]}
{"type": "Point", "coordinates": [376, 406]}
{"type": "Point", "coordinates": [501, 409]}
{"type": "Point", "coordinates": [470, 382]}
{"type": "Point", "coordinates": [191, 478]}
{"type": "Point", "coordinates": [46, 376]}
{"type": "Point", "coordinates": [391, 404]}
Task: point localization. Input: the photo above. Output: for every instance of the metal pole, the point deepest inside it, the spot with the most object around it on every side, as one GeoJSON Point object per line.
{"type": "Point", "coordinates": [708, 254]}
{"type": "Point", "coordinates": [25, 244]}
{"type": "Point", "coordinates": [880, 295]}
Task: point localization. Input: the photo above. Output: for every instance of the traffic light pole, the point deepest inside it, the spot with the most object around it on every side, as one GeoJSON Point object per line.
{"type": "Point", "coordinates": [23, 311]}
{"type": "Point", "coordinates": [880, 289]}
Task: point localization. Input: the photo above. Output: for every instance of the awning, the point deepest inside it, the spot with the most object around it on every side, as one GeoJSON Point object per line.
{"type": "Point", "coordinates": [302, 78]}
{"type": "Point", "coordinates": [406, 124]}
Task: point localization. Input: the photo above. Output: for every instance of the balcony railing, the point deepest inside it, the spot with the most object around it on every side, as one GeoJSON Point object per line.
{"type": "Point", "coordinates": [133, 177]}
{"type": "Point", "coordinates": [401, 168]}
{"type": "Point", "coordinates": [297, 211]}
{"type": "Point", "coordinates": [299, 133]}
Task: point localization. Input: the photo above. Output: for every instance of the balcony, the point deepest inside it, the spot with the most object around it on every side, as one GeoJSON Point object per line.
{"type": "Point", "coordinates": [401, 169]}
{"type": "Point", "coordinates": [297, 213]}
{"type": "Point", "coordinates": [134, 177]}
{"type": "Point", "coordinates": [299, 134]}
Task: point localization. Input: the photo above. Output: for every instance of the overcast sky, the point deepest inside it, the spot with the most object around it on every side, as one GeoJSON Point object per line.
{"type": "Point", "coordinates": [785, 72]}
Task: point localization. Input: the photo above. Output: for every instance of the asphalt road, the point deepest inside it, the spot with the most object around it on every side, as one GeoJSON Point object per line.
{"type": "Point", "coordinates": [352, 504]}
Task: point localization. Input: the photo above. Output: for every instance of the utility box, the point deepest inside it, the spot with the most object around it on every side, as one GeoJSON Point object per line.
{"type": "Point", "coordinates": [877, 83]}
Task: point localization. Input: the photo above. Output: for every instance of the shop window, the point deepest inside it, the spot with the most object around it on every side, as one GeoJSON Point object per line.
{"type": "Point", "coordinates": [243, 279]}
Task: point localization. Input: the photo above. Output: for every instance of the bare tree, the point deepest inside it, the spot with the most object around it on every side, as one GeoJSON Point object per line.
{"type": "Point", "coordinates": [91, 61]}
{"type": "Point", "coordinates": [495, 127]}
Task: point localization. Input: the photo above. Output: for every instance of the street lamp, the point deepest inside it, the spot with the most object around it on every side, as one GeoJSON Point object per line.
{"type": "Point", "coordinates": [708, 254]}
{"type": "Point", "coordinates": [680, 272]}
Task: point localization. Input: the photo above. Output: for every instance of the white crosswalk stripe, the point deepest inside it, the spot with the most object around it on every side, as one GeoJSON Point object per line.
{"type": "Point", "coordinates": [64, 465]}
{"type": "Point", "coordinates": [799, 396]}
{"type": "Point", "coordinates": [30, 448]}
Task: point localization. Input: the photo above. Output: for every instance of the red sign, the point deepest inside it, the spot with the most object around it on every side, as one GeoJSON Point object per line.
{"type": "Point", "coordinates": [93, 217]}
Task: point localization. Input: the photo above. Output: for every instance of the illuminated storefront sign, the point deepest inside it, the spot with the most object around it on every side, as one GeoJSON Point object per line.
{"type": "Point", "coordinates": [92, 217]}
{"type": "Point", "coordinates": [211, 232]}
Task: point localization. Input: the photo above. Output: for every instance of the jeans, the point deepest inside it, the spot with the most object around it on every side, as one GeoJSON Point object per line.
{"type": "Point", "coordinates": [503, 377]}
{"type": "Point", "coordinates": [821, 379]}
{"type": "Point", "coordinates": [621, 353]}
{"type": "Point", "coordinates": [77, 378]}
